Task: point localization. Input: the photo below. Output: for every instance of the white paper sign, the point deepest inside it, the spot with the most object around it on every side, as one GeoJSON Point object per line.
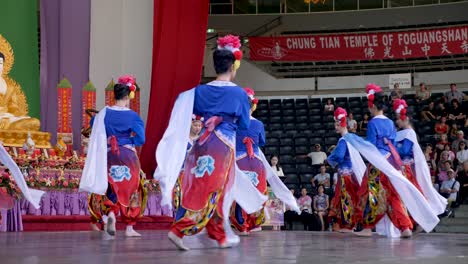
{"type": "Point", "coordinates": [404, 80]}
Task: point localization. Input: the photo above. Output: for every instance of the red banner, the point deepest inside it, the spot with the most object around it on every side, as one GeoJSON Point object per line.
{"type": "Point", "coordinates": [362, 46]}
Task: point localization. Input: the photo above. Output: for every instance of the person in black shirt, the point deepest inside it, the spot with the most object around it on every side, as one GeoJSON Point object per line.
{"type": "Point", "coordinates": [456, 114]}
{"type": "Point", "coordinates": [428, 113]}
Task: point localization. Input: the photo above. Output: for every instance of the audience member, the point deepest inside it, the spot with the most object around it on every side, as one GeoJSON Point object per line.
{"type": "Point", "coordinates": [329, 107]}
{"type": "Point", "coordinates": [305, 205]}
{"type": "Point", "coordinates": [450, 153]}
{"type": "Point", "coordinates": [449, 189]}
{"type": "Point", "coordinates": [428, 113]}
{"type": "Point", "coordinates": [462, 154]}
{"type": "Point", "coordinates": [322, 177]}
{"type": "Point", "coordinates": [290, 215]}
{"type": "Point", "coordinates": [441, 110]}
{"type": "Point", "coordinates": [430, 158]}
{"type": "Point", "coordinates": [274, 161]}
{"type": "Point", "coordinates": [352, 124]}
{"type": "Point", "coordinates": [442, 142]}
{"type": "Point", "coordinates": [454, 94]}
{"type": "Point", "coordinates": [444, 166]}
{"type": "Point", "coordinates": [453, 132]}
{"type": "Point", "coordinates": [397, 93]}
{"type": "Point", "coordinates": [321, 205]}
{"type": "Point", "coordinates": [317, 156]}
{"type": "Point", "coordinates": [456, 114]}
{"type": "Point", "coordinates": [363, 123]}
{"type": "Point", "coordinates": [423, 93]}
{"type": "Point", "coordinates": [435, 184]}
{"type": "Point", "coordinates": [441, 126]}
{"type": "Point", "coordinates": [460, 138]}
{"type": "Point", "coordinates": [462, 178]}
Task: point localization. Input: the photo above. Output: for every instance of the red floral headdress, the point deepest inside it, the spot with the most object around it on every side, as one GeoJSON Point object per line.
{"type": "Point", "coordinates": [399, 106]}
{"type": "Point", "coordinates": [371, 90]}
{"type": "Point", "coordinates": [233, 44]}
{"type": "Point", "coordinates": [340, 115]}
{"type": "Point", "coordinates": [130, 82]}
{"type": "Point", "coordinates": [197, 118]}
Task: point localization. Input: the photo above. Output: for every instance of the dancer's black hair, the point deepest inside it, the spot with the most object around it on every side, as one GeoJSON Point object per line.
{"type": "Point", "coordinates": [223, 60]}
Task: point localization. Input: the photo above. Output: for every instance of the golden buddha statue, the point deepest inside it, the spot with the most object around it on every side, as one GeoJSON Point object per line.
{"type": "Point", "coordinates": [13, 105]}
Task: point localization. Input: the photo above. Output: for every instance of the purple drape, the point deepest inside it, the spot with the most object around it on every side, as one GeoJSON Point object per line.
{"type": "Point", "coordinates": [65, 32]}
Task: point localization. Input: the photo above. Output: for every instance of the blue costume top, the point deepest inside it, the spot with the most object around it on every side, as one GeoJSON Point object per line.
{"type": "Point", "coordinates": [378, 128]}
{"type": "Point", "coordinates": [405, 149]}
{"type": "Point", "coordinates": [256, 132]}
{"type": "Point", "coordinates": [125, 125]}
{"type": "Point", "coordinates": [223, 99]}
{"type": "Point", "coordinates": [340, 156]}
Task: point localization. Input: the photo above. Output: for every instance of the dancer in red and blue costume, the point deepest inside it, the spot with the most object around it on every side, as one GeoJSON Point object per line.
{"type": "Point", "coordinates": [248, 143]}
{"type": "Point", "coordinates": [210, 175]}
{"type": "Point", "coordinates": [112, 167]}
{"type": "Point", "coordinates": [413, 159]}
{"type": "Point", "coordinates": [345, 203]}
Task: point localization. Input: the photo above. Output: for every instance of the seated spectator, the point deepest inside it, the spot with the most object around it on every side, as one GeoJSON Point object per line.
{"type": "Point", "coordinates": [397, 93]}
{"type": "Point", "coordinates": [322, 177]}
{"type": "Point", "coordinates": [442, 142]}
{"type": "Point", "coordinates": [453, 132]}
{"type": "Point", "coordinates": [274, 161]}
{"type": "Point", "coordinates": [290, 215]}
{"type": "Point", "coordinates": [363, 123]}
{"type": "Point", "coordinates": [441, 110]}
{"type": "Point", "coordinates": [423, 93]}
{"type": "Point", "coordinates": [460, 138]}
{"type": "Point", "coordinates": [443, 167]}
{"type": "Point", "coordinates": [451, 154]}
{"type": "Point", "coordinates": [456, 114]}
{"type": "Point", "coordinates": [305, 205]}
{"type": "Point", "coordinates": [462, 178]}
{"type": "Point", "coordinates": [441, 126]}
{"type": "Point", "coordinates": [317, 156]}
{"type": "Point", "coordinates": [462, 154]}
{"type": "Point", "coordinates": [428, 113]}
{"type": "Point", "coordinates": [454, 94]}
{"type": "Point", "coordinates": [449, 189]}
{"type": "Point", "coordinates": [352, 124]}
{"type": "Point", "coordinates": [435, 184]}
{"type": "Point", "coordinates": [329, 107]}
{"type": "Point", "coordinates": [321, 205]}
{"type": "Point", "coordinates": [430, 158]}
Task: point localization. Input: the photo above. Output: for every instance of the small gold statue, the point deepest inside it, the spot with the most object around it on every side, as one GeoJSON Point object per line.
{"type": "Point", "coordinates": [60, 147]}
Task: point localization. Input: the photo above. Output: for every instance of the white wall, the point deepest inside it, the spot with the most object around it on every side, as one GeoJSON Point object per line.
{"type": "Point", "coordinates": [351, 82]}
{"type": "Point", "coordinates": [446, 77]}
{"type": "Point", "coordinates": [121, 43]}
{"type": "Point", "coordinates": [250, 75]}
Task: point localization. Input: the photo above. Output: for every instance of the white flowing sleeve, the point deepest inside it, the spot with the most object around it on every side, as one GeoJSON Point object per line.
{"type": "Point", "coordinates": [94, 177]}
{"type": "Point", "coordinates": [171, 150]}
{"type": "Point", "coordinates": [415, 202]}
{"type": "Point", "coordinates": [277, 186]}
{"type": "Point", "coordinates": [423, 175]}
{"type": "Point", "coordinates": [33, 196]}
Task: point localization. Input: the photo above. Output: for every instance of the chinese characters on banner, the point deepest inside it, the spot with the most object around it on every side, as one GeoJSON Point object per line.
{"type": "Point", "coordinates": [64, 122]}
{"type": "Point", "coordinates": [362, 46]}
{"type": "Point", "coordinates": [88, 102]}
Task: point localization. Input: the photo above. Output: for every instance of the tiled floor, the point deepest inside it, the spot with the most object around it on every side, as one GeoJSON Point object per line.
{"type": "Point", "coordinates": [262, 247]}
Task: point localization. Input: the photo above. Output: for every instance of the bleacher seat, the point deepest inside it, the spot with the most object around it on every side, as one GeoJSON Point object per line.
{"type": "Point", "coordinates": [288, 112]}
{"type": "Point", "coordinates": [287, 141]}
{"type": "Point", "coordinates": [290, 126]}
{"type": "Point", "coordinates": [301, 141]}
{"type": "Point", "coordinates": [302, 112]}
{"type": "Point", "coordinates": [275, 112]}
{"type": "Point", "coordinates": [301, 150]}
{"type": "Point", "coordinates": [289, 119]}
{"type": "Point", "coordinates": [276, 119]}
{"type": "Point", "coordinates": [316, 140]}
{"type": "Point", "coordinates": [273, 141]}
{"type": "Point", "coordinates": [315, 119]}
{"type": "Point", "coordinates": [286, 150]}
{"type": "Point", "coordinates": [286, 159]}
{"type": "Point", "coordinates": [302, 126]}
{"type": "Point", "coordinates": [302, 119]}
{"type": "Point", "coordinates": [291, 179]}
{"type": "Point", "coordinates": [276, 127]}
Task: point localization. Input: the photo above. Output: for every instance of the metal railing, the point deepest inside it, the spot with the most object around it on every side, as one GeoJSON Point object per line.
{"type": "Point", "coordinates": [233, 7]}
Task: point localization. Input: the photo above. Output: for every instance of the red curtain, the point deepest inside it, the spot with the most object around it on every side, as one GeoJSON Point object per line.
{"type": "Point", "coordinates": [178, 46]}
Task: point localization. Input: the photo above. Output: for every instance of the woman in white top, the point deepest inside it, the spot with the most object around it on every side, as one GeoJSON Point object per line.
{"type": "Point", "coordinates": [274, 161]}
{"type": "Point", "coordinates": [352, 124]}
{"type": "Point", "coordinates": [462, 154]}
